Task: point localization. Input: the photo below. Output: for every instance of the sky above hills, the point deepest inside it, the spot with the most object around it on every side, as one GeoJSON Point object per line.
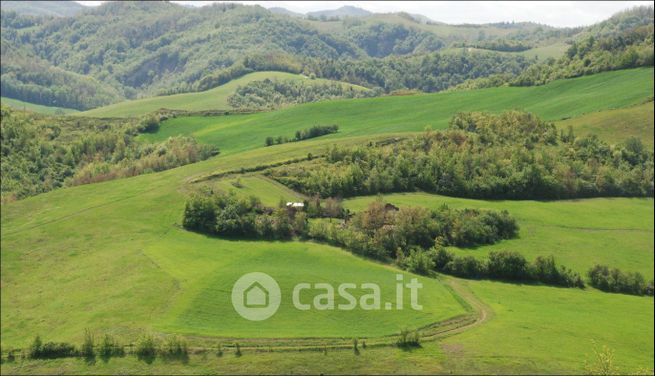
{"type": "Point", "coordinates": [564, 13]}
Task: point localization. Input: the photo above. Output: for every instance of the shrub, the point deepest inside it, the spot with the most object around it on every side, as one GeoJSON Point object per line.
{"type": "Point", "coordinates": [408, 338]}
{"type": "Point", "coordinates": [466, 266]}
{"type": "Point", "coordinates": [146, 348]}
{"type": "Point", "coordinates": [419, 261]}
{"type": "Point", "coordinates": [175, 348]}
{"type": "Point", "coordinates": [614, 280]}
{"type": "Point", "coordinates": [546, 270]}
{"type": "Point", "coordinates": [507, 265]}
{"type": "Point", "coordinates": [109, 347]}
{"type": "Point", "coordinates": [87, 350]}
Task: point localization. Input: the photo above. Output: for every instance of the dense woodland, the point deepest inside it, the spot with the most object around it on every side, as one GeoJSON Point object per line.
{"type": "Point", "coordinates": [41, 153]}
{"type": "Point", "coordinates": [163, 48]}
{"type": "Point", "coordinates": [514, 155]}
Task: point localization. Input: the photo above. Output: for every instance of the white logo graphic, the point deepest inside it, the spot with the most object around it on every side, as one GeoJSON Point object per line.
{"type": "Point", "coordinates": [256, 296]}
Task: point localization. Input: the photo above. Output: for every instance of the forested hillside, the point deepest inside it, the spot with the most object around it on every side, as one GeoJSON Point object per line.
{"type": "Point", "coordinates": [125, 50]}
{"type": "Point", "coordinates": [623, 41]}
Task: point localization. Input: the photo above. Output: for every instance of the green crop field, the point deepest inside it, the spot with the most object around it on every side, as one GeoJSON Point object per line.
{"type": "Point", "coordinates": [213, 99]}
{"type": "Point", "coordinates": [112, 256]}
{"type": "Point", "coordinates": [616, 125]}
{"type": "Point", "coordinates": [554, 101]}
{"type": "Point", "coordinates": [20, 105]}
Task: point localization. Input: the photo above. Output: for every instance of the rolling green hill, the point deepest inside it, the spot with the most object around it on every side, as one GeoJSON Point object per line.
{"type": "Point", "coordinates": [616, 125]}
{"type": "Point", "coordinates": [579, 233]}
{"type": "Point", "coordinates": [20, 105]}
{"type": "Point", "coordinates": [557, 100]}
{"type": "Point", "coordinates": [213, 99]}
{"type": "Point", "coordinates": [117, 261]}
{"type": "Point", "coordinates": [114, 258]}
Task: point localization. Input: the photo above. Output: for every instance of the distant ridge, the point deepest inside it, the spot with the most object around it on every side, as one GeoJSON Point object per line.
{"type": "Point", "coordinates": [44, 8]}
{"type": "Point", "coordinates": [344, 11]}
{"type": "Point", "coordinates": [286, 12]}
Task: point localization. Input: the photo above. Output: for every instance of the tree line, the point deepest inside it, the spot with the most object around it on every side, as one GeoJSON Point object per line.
{"type": "Point", "coordinates": [41, 153]}
{"type": "Point", "coordinates": [513, 155]}
{"type": "Point", "coordinates": [271, 94]}
{"type": "Point", "coordinates": [305, 134]}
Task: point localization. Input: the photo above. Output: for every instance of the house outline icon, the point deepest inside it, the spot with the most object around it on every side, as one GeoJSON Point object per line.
{"type": "Point", "coordinates": [256, 296]}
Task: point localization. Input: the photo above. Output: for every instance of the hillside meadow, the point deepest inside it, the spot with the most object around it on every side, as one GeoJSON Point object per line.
{"type": "Point", "coordinates": [614, 126]}
{"type": "Point", "coordinates": [114, 258]}
{"type": "Point", "coordinates": [554, 101]}
{"type": "Point", "coordinates": [213, 99]}
{"type": "Point", "coordinates": [579, 233]}
{"type": "Point", "coordinates": [20, 105]}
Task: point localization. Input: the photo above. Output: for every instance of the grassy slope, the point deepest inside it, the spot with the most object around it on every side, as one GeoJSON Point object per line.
{"type": "Point", "coordinates": [15, 103]}
{"type": "Point", "coordinates": [579, 233]}
{"type": "Point", "coordinates": [534, 330]}
{"type": "Point", "coordinates": [267, 190]}
{"type": "Point", "coordinates": [213, 99]}
{"type": "Point", "coordinates": [538, 329]}
{"type": "Point", "coordinates": [617, 125]}
{"type": "Point", "coordinates": [554, 50]}
{"type": "Point", "coordinates": [112, 256]}
{"type": "Point", "coordinates": [557, 100]}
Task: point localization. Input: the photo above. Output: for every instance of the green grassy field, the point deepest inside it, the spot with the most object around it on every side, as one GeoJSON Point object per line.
{"type": "Point", "coordinates": [123, 238]}
{"type": "Point", "coordinates": [113, 257]}
{"type": "Point", "coordinates": [617, 125]}
{"type": "Point", "coordinates": [534, 329]}
{"type": "Point", "coordinates": [267, 190]}
{"type": "Point", "coordinates": [579, 233]}
{"type": "Point", "coordinates": [20, 105]}
{"type": "Point", "coordinates": [213, 99]}
{"type": "Point", "coordinates": [554, 51]}
{"type": "Point", "coordinates": [554, 101]}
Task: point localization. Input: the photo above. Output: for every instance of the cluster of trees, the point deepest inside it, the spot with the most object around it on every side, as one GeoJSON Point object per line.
{"type": "Point", "coordinates": [271, 94]}
{"type": "Point", "coordinates": [383, 231]}
{"type": "Point", "coordinates": [609, 279]}
{"type": "Point", "coordinates": [414, 237]}
{"type": "Point", "coordinates": [106, 349]}
{"type": "Point", "coordinates": [500, 265]}
{"type": "Point", "coordinates": [141, 159]}
{"type": "Point", "coordinates": [231, 215]}
{"type": "Point", "coordinates": [147, 349]}
{"type": "Point", "coordinates": [513, 155]}
{"type": "Point", "coordinates": [305, 134]}
{"type": "Point", "coordinates": [41, 153]}
{"type": "Point", "coordinates": [504, 45]}
{"type": "Point", "coordinates": [257, 62]}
